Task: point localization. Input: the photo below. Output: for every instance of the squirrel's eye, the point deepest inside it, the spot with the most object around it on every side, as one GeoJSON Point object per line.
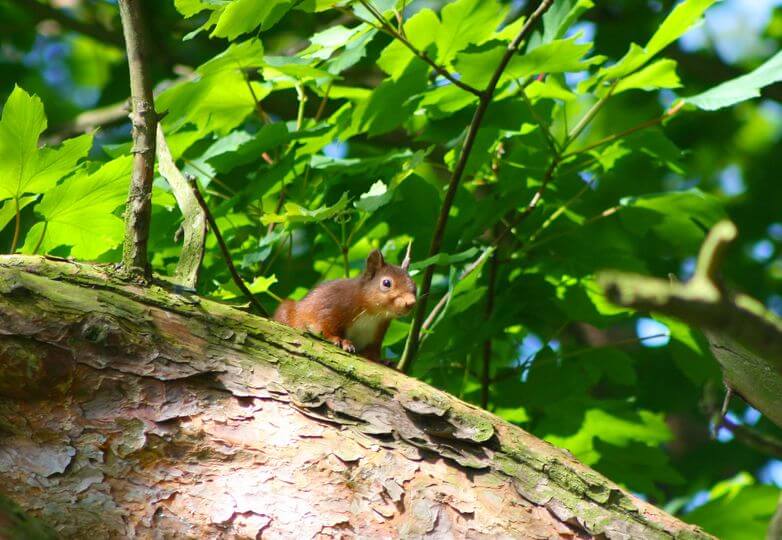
{"type": "Point", "coordinates": [386, 283]}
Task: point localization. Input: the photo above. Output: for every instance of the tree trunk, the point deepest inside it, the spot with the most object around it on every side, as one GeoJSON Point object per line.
{"type": "Point", "coordinates": [136, 412]}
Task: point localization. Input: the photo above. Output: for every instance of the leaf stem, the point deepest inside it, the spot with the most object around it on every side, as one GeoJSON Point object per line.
{"type": "Point", "coordinates": [40, 240]}
{"type": "Point", "coordinates": [302, 97]}
{"type": "Point", "coordinates": [17, 226]}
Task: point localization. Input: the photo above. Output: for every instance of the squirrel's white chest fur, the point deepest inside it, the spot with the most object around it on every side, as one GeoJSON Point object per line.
{"type": "Point", "coordinates": [363, 330]}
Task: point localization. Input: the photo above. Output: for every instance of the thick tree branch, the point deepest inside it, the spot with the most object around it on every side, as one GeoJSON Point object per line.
{"type": "Point", "coordinates": [411, 346]}
{"type": "Point", "coordinates": [138, 209]}
{"type": "Point", "coordinates": [128, 412]}
{"type": "Point", "coordinates": [745, 337]}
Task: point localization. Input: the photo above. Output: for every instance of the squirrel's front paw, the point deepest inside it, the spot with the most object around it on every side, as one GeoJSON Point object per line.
{"type": "Point", "coordinates": [347, 345]}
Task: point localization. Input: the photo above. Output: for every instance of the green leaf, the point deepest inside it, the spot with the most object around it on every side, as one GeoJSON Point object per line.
{"type": "Point", "coordinates": [641, 467]}
{"type": "Point", "coordinates": [466, 22]}
{"type": "Point", "coordinates": [558, 19]}
{"type": "Point", "coordinates": [690, 351]}
{"type": "Point", "coordinates": [559, 56]}
{"type": "Point", "coordinates": [390, 103]}
{"type": "Point", "coordinates": [8, 209]}
{"type": "Point", "coordinates": [188, 8]}
{"type": "Point", "coordinates": [236, 149]}
{"type": "Point", "coordinates": [293, 68]}
{"type": "Point", "coordinates": [242, 16]}
{"type": "Point", "coordinates": [741, 88]}
{"type": "Point", "coordinates": [377, 196]}
{"type": "Point", "coordinates": [421, 30]}
{"type": "Point", "coordinates": [218, 102]}
{"type": "Point", "coordinates": [737, 509]}
{"type": "Point", "coordinates": [660, 74]}
{"type": "Point", "coordinates": [79, 212]}
{"type": "Point", "coordinates": [681, 19]}
{"type": "Point", "coordinates": [678, 218]}
{"type": "Point", "coordinates": [24, 168]}
{"type": "Point", "coordinates": [295, 213]}
{"type": "Point", "coordinates": [245, 55]}
{"type": "Point", "coordinates": [614, 425]}
{"type": "Point", "coordinates": [444, 259]}
{"type": "Point", "coordinates": [261, 284]}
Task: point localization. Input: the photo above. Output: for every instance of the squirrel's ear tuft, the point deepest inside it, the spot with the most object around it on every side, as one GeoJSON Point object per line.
{"type": "Point", "coordinates": [374, 262]}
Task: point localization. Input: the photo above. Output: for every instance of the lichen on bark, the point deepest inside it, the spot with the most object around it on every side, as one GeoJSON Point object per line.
{"type": "Point", "coordinates": [188, 417]}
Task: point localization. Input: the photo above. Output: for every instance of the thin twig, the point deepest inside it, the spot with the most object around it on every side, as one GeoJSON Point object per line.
{"type": "Point", "coordinates": [487, 345]}
{"type": "Point", "coordinates": [138, 209]}
{"type": "Point", "coordinates": [590, 114]}
{"type": "Point", "coordinates": [390, 30]}
{"type": "Point", "coordinates": [411, 346]}
{"type": "Point", "coordinates": [622, 134]}
{"type": "Point", "coordinates": [258, 107]}
{"type": "Point", "coordinates": [559, 211]}
{"type": "Point", "coordinates": [224, 249]}
{"type": "Point", "coordinates": [447, 296]}
{"type": "Point", "coordinates": [604, 214]}
{"type": "Point", "coordinates": [323, 101]}
{"type": "Point", "coordinates": [547, 135]}
{"type": "Point", "coordinates": [754, 439]}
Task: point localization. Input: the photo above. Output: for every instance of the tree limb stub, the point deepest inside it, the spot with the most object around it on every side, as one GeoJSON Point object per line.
{"type": "Point", "coordinates": [744, 336]}
{"type": "Point", "coordinates": [126, 410]}
{"type": "Point", "coordinates": [143, 117]}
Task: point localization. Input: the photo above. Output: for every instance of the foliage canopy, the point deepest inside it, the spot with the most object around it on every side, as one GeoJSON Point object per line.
{"type": "Point", "coordinates": [320, 130]}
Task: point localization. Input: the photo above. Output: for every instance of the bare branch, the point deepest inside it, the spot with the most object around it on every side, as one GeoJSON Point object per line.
{"type": "Point", "coordinates": [411, 347]}
{"type": "Point", "coordinates": [138, 209]}
{"type": "Point", "coordinates": [224, 250]}
{"type": "Point", "coordinates": [744, 336]}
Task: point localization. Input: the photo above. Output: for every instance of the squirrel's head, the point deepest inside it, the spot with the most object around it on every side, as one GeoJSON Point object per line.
{"type": "Point", "coordinates": [388, 289]}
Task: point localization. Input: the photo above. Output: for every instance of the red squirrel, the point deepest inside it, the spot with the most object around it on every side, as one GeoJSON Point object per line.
{"type": "Point", "coordinates": [355, 313]}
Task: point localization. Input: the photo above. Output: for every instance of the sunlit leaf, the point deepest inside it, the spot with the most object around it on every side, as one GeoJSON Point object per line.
{"type": "Point", "coordinates": [24, 168]}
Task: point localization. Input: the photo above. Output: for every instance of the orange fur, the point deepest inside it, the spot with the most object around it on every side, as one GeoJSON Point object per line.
{"type": "Point", "coordinates": [361, 307]}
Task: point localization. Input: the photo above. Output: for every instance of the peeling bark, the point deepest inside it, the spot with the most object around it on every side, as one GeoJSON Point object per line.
{"type": "Point", "coordinates": [136, 412]}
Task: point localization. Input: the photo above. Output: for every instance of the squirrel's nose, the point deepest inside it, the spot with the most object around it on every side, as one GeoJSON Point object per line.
{"type": "Point", "coordinates": [409, 301]}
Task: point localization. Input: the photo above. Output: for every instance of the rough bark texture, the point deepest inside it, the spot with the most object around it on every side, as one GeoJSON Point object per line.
{"type": "Point", "coordinates": [134, 412]}
{"type": "Point", "coordinates": [138, 208]}
{"type": "Point", "coordinates": [744, 336]}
